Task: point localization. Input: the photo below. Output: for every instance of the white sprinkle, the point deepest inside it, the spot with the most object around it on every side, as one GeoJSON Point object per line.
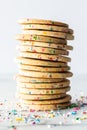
{"type": "Point", "coordinates": [48, 126]}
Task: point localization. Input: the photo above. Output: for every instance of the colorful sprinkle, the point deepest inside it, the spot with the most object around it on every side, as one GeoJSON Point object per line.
{"type": "Point", "coordinates": [14, 113]}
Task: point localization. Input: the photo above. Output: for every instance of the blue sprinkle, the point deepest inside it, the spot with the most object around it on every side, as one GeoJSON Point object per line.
{"type": "Point", "coordinates": [74, 113]}
{"type": "Point", "coordinates": [26, 119]}
{"type": "Point", "coordinates": [37, 120]}
{"type": "Point", "coordinates": [14, 112]}
{"type": "Point", "coordinates": [82, 105]}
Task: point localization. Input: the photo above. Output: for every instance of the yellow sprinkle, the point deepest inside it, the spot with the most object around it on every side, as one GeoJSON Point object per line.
{"type": "Point", "coordinates": [83, 118]}
{"type": "Point", "coordinates": [51, 115]}
{"type": "Point", "coordinates": [19, 119]}
{"type": "Point", "coordinates": [44, 32]}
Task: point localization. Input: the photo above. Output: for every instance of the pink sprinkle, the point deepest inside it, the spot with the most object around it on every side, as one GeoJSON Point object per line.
{"type": "Point", "coordinates": [84, 112]}
{"type": "Point", "coordinates": [76, 109]}
{"type": "Point", "coordinates": [43, 49]}
{"type": "Point", "coordinates": [1, 103]}
{"type": "Point", "coordinates": [33, 123]}
{"type": "Point", "coordinates": [31, 110]}
{"type": "Point", "coordinates": [34, 51]}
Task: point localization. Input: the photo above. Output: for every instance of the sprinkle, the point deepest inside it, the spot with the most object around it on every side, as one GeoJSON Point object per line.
{"type": "Point", "coordinates": [51, 115]}
{"type": "Point", "coordinates": [83, 118]}
{"type": "Point", "coordinates": [33, 123]}
{"type": "Point", "coordinates": [52, 91]}
{"type": "Point", "coordinates": [13, 127]}
{"type": "Point", "coordinates": [77, 118]}
{"type": "Point", "coordinates": [37, 120]}
{"type": "Point", "coordinates": [19, 119]}
{"type": "Point", "coordinates": [29, 92]}
{"type": "Point", "coordinates": [51, 29]}
{"type": "Point", "coordinates": [14, 112]}
{"type": "Point", "coordinates": [75, 109]}
{"type": "Point", "coordinates": [60, 123]}
{"type": "Point", "coordinates": [49, 126]}
{"type": "Point", "coordinates": [68, 114]}
{"type": "Point", "coordinates": [73, 105]}
{"type": "Point", "coordinates": [84, 112]}
{"type": "Point", "coordinates": [35, 37]}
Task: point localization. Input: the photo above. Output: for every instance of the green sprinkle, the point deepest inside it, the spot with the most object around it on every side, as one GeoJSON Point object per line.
{"type": "Point", "coordinates": [49, 40]}
{"type": "Point", "coordinates": [73, 105]}
{"type": "Point", "coordinates": [29, 92]}
{"type": "Point", "coordinates": [35, 37]}
{"type": "Point", "coordinates": [77, 118]}
{"type": "Point", "coordinates": [29, 25]}
{"type": "Point", "coordinates": [51, 91]}
{"type": "Point", "coordinates": [51, 29]}
{"type": "Point", "coordinates": [52, 51]}
{"type": "Point", "coordinates": [20, 62]}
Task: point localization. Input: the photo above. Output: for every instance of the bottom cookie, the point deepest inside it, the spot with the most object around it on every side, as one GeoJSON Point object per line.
{"type": "Point", "coordinates": [48, 107]}
{"type": "Point", "coordinates": [67, 98]}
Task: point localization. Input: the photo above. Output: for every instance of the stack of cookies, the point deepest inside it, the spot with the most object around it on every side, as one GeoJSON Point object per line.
{"type": "Point", "coordinates": [42, 80]}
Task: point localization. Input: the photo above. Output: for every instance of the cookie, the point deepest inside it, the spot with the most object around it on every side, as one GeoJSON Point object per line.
{"type": "Point", "coordinates": [46, 27]}
{"type": "Point", "coordinates": [25, 79]}
{"type": "Point", "coordinates": [48, 45]}
{"type": "Point", "coordinates": [42, 21]}
{"type": "Point", "coordinates": [42, 91]}
{"type": "Point", "coordinates": [30, 37]}
{"type": "Point", "coordinates": [50, 34]}
{"type": "Point", "coordinates": [43, 69]}
{"type": "Point", "coordinates": [44, 56]}
{"type": "Point", "coordinates": [43, 50]}
{"type": "Point", "coordinates": [65, 99]}
{"type": "Point", "coordinates": [45, 74]}
{"type": "Point", "coordinates": [58, 84]}
{"type": "Point", "coordinates": [39, 97]}
{"type": "Point", "coordinates": [48, 107]}
{"type": "Point", "coordinates": [29, 61]}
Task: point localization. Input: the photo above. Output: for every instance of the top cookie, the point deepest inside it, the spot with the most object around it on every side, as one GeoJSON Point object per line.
{"type": "Point", "coordinates": [41, 21]}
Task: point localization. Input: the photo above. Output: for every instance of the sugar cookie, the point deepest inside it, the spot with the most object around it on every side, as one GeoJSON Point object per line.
{"type": "Point", "coordinates": [29, 61]}
{"type": "Point", "coordinates": [48, 107]}
{"type": "Point", "coordinates": [58, 84]}
{"type": "Point", "coordinates": [65, 99]}
{"type": "Point", "coordinates": [50, 34]}
{"type": "Point", "coordinates": [38, 74]}
{"type": "Point", "coordinates": [39, 97]}
{"type": "Point", "coordinates": [27, 79]}
{"type": "Point", "coordinates": [44, 56]}
{"type": "Point", "coordinates": [42, 21]}
{"type": "Point", "coordinates": [48, 45]}
{"type": "Point", "coordinates": [43, 69]}
{"type": "Point", "coordinates": [42, 91]}
{"type": "Point", "coordinates": [43, 50]}
{"type": "Point", "coordinates": [46, 27]}
{"type": "Point", "coordinates": [30, 37]}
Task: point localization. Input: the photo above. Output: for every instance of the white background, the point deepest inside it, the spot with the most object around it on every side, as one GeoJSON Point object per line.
{"type": "Point", "coordinates": [73, 12]}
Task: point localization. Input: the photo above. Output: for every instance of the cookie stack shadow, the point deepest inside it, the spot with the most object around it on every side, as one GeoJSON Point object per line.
{"type": "Point", "coordinates": [43, 70]}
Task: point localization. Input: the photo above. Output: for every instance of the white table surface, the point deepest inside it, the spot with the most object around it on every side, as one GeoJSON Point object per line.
{"type": "Point", "coordinates": [8, 89]}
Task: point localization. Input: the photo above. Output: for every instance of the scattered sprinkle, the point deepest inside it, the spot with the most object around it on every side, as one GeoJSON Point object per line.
{"type": "Point", "coordinates": [13, 114]}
